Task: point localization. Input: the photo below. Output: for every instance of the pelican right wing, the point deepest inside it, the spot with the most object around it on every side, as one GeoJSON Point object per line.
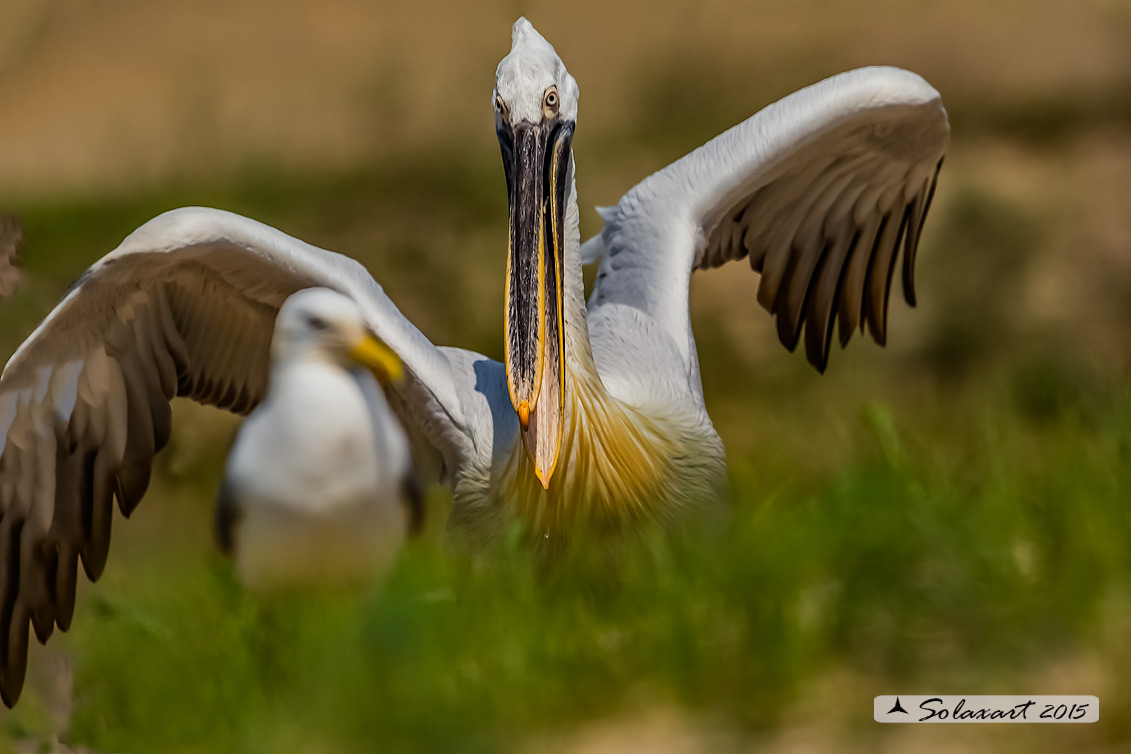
{"type": "Point", "coordinates": [819, 190]}
{"type": "Point", "coordinates": [185, 306]}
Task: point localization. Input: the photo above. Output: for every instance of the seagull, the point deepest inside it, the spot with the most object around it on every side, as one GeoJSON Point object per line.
{"type": "Point", "coordinates": [319, 489]}
{"type": "Point", "coordinates": [594, 420]}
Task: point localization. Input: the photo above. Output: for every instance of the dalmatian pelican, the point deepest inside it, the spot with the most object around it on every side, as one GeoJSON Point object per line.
{"type": "Point", "coordinates": [596, 416]}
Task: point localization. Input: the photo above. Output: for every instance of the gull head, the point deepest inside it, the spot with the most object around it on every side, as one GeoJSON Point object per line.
{"type": "Point", "coordinates": [317, 324]}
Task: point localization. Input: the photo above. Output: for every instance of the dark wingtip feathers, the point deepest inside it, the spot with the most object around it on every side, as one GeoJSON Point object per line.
{"type": "Point", "coordinates": [413, 498]}
{"type": "Point", "coordinates": [913, 237]}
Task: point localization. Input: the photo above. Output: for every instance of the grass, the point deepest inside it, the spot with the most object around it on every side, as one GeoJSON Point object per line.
{"type": "Point", "coordinates": [961, 556]}
{"type": "Point", "coordinates": [949, 515]}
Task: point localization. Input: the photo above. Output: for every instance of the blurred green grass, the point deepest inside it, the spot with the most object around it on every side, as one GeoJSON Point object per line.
{"type": "Point", "coordinates": [903, 523]}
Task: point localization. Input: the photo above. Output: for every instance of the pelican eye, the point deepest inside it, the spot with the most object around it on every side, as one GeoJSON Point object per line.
{"type": "Point", "coordinates": [550, 100]}
{"type": "Point", "coordinates": [500, 106]}
{"type": "Point", "coordinates": [316, 323]}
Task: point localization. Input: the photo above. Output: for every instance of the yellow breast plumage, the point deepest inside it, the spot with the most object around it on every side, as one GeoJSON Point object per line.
{"type": "Point", "coordinates": [620, 466]}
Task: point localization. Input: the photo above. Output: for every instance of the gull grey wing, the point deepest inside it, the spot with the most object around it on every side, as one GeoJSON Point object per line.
{"type": "Point", "coordinates": [226, 518]}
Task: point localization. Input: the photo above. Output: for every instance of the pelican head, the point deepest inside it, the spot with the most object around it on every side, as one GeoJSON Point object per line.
{"type": "Point", "coordinates": [319, 324]}
{"type": "Point", "coordinates": [535, 102]}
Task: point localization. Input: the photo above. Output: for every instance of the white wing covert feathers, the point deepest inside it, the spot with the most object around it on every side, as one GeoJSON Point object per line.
{"type": "Point", "coordinates": [819, 190]}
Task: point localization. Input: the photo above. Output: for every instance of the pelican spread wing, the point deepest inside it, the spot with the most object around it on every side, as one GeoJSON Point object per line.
{"type": "Point", "coordinates": [819, 190]}
{"type": "Point", "coordinates": [184, 307]}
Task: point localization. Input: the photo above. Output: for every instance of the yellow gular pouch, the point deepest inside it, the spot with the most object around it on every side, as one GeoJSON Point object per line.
{"type": "Point", "coordinates": [619, 468]}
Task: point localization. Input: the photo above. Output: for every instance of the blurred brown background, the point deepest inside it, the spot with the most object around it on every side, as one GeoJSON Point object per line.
{"type": "Point", "coordinates": [112, 94]}
{"type": "Point", "coordinates": [107, 97]}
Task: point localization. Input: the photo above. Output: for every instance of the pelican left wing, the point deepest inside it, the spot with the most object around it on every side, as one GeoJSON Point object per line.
{"type": "Point", "coordinates": [819, 190]}
{"type": "Point", "coordinates": [186, 306]}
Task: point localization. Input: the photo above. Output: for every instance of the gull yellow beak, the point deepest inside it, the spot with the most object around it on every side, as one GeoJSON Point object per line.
{"type": "Point", "coordinates": [378, 358]}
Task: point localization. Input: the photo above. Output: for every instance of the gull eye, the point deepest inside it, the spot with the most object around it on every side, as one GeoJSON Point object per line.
{"type": "Point", "coordinates": [550, 101]}
{"type": "Point", "coordinates": [315, 323]}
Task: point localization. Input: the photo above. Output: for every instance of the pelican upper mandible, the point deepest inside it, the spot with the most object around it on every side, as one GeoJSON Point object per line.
{"type": "Point", "coordinates": [595, 418]}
